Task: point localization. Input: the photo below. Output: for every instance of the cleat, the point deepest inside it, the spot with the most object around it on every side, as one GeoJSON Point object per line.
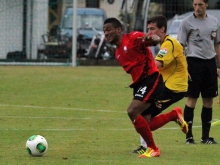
{"type": "Point", "coordinates": [208, 141]}
{"type": "Point", "coordinates": [150, 153]}
{"type": "Point", "coordinates": [190, 141]}
{"type": "Point", "coordinates": [139, 150]}
{"type": "Point", "coordinates": [180, 121]}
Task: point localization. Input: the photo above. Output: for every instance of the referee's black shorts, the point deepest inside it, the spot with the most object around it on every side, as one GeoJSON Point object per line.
{"type": "Point", "coordinates": [204, 78]}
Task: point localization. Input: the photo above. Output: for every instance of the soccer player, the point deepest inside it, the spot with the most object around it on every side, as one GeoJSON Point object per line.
{"type": "Point", "coordinates": [200, 32]}
{"type": "Point", "coordinates": [137, 60]}
{"type": "Point", "coordinates": [172, 65]}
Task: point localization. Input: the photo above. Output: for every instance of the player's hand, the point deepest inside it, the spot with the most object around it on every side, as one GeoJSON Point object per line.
{"type": "Point", "coordinates": [158, 104]}
{"type": "Point", "coordinates": [189, 77]}
{"type": "Point", "coordinates": [218, 72]}
{"type": "Point", "coordinates": [151, 40]}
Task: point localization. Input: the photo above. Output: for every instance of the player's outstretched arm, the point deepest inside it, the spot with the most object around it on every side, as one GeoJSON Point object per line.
{"type": "Point", "coordinates": [151, 40]}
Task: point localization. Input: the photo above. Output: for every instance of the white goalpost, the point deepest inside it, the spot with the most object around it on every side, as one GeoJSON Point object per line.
{"type": "Point", "coordinates": [74, 38]}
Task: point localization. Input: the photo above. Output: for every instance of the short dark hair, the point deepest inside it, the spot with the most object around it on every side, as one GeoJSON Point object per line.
{"type": "Point", "coordinates": [115, 22]}
{"type": "Point", "coordinates": [205, 1]}
{"type": "Point", "coordinates": [160, 20]}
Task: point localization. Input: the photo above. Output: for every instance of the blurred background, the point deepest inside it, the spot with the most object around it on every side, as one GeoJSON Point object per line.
{"type": "Point", "coordinates": [42, 30]}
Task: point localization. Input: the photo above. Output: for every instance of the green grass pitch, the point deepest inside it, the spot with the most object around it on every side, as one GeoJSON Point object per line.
{"type": "Point", "coordinates": [81, 111]}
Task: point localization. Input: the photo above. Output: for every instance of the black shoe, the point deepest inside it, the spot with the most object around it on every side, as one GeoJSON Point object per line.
{"type": "Point", "coordinates": [210, 140]}
{"type": "Point", "coordinates": [139, 150]}
{"type": "Point", "coordinates": [190, 141]}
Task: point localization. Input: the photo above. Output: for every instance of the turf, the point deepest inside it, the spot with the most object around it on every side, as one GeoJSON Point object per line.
{"type": "Point", "coordinates": [81, 111]}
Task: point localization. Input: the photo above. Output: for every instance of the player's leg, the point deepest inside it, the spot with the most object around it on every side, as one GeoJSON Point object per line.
{"type": "Point", "coordinates": [206, 117]}
{"type": "Point", "coordinates": [144, 95]}
{"type": "Point", "coordinates": [169, 97]}
{"type": "Point", "coordinates": [209, 90]}
{"type": "Point", "coordinates": [188, 117]}
{"type": "Point", "coordinates": [142, 148]}
{"type": "Point", "coordinates": [161, 120]}
{"type": "Point", "coordinates": [174, 115]}
{"type": "Point", "coordinates": [141, 125]}
{"type": "Point", "coordinates": [195, 69]}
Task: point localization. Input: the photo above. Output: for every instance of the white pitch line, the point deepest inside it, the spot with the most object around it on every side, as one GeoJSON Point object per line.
{"type": "Point", "coordinates": [60, 108]}
{"type": "Point", "coordinates": [70, 129]}
{"type": "Point", "coordinates": [51, 117]}
{"type": "Point", "coordinates": [77, 129]}
{"type": "Point", "coordinates": [64, 108]}
{"type": "Point", "coordinates": [72, 118]}
{"type": "Point", "coordinates": [52, 129]}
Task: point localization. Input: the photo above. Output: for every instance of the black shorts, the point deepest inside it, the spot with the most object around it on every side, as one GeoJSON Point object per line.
{"type": "Point", "coordinates": [168, 98]}
{"type": "Point", "coordinates": [149, 89]}
{"type": "Point", "coordinates": [204, 78]}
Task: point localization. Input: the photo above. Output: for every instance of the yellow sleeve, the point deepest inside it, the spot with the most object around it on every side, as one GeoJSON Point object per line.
{"type": "Point", "coordinates": [165, 54]}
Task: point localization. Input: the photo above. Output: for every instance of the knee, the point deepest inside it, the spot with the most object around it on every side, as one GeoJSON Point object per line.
{"type": "Point", "coordinates": [147, 118]}
{"type": "Point", "coordinates": [191, 102]}
{"type": "Point", "coordinates": [207, 102]}
{"type": "Point", "coordinates": [131, 113]}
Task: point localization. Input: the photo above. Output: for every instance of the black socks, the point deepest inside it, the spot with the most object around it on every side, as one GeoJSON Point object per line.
{"type": "Point", "coordinates": [206, 117]}
{"type": "Point", "coordinates": [188, 117]}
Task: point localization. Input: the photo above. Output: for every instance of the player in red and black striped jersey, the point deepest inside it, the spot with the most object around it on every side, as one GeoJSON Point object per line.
{"type": "Point", "coordinates": [137, 60]}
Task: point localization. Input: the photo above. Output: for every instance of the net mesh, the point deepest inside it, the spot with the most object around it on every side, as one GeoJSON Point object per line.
{"type": "Point", "coordinates": [41, 30]}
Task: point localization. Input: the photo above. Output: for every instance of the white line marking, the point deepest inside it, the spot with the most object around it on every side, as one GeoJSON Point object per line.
{"type": "Point", "coordinates": [60, 108]}
{"type": "Point", "coordinates": [78, 129]}
{"type": "Point", "coordinates": [72, 129]}
{"type": "Point", "coordinates": [51, 117]}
